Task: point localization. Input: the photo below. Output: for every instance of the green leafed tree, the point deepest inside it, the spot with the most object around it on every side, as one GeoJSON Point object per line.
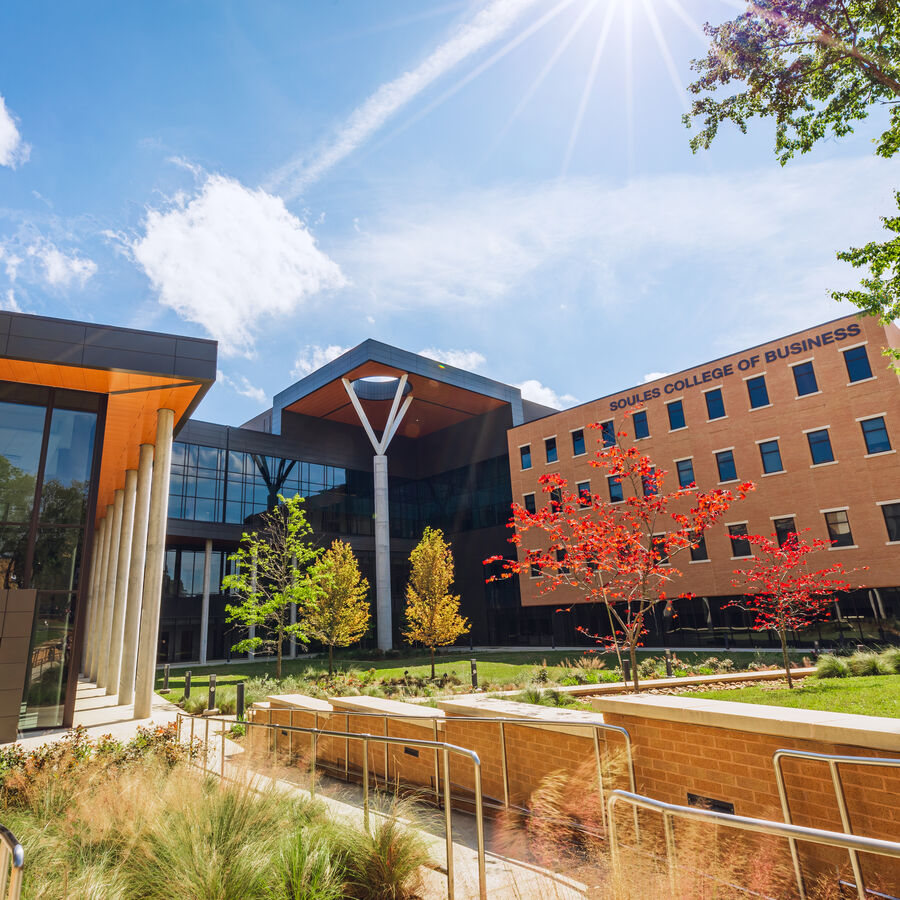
{"type": "Point", "coordinates": [432, 612]}
{"type": "Point", "coordinates": [814, 67]}
{"type": "Point", "coordinates": [340, 616]}
{"type": "Point", "coordinates": [269, 573]}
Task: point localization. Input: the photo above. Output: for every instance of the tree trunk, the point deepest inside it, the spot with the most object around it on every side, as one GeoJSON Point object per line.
{"type": "Point", "coordinates": [784, 655]}
{"type": "Point", "coordinates": [330, 660]}
{"type": "Point", "coordinates": [280, 642]}
{"type": "Point", "coordinates": [432, 663]}
{"type": "Point", "coordinates": [632, 652]}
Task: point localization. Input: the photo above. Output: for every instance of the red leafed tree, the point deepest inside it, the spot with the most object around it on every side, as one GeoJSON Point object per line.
{"type": "Point", "coordinates": [618, 554]}
{"type": "Point", "coordinates": [782, 592]}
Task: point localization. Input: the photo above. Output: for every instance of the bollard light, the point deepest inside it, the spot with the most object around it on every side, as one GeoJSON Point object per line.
{"type": "Point", "coordinates": [165, 687]}
{"type": "Point", "coordinates": [211, 704]}
{"type": "Point", "coordinates": [474, 673]}
{"type": "Point", "coordinates": [187, 685]}
{"type": "Point", "coordinates": [668, 663]}
{"type": "Point", "coordinates": [239, 708]}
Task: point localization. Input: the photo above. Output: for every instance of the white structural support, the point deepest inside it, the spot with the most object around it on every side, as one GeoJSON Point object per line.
{"type": "Point", "coordinates": [101, 594]}
{"type": "Point", "coordinates": [121, 588]}
{"type": "Point", "coordinates": [136, 576]}
{"type": "Point", "coordinates": [204, 609]}
{"type": "Point", "coordinates": [399, 406]}
{"type": "Point", "coordinates": [153, 568]}
{"type": "Point", "coordinates": [92, 600]}
{"type": "Point", "coordinates": [110, 602]}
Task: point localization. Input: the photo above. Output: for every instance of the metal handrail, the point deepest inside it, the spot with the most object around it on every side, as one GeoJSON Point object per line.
{"type": "Point", "coordinates": [445, 748]}
{"type": "Point", "coordinates": [669, 811]}
{"type": "Point", "coordinates": [502, 721]}
{"type": "Point", "coordinates": [833, 761]}
{"type": "Point", "coordinates": [12, 861]}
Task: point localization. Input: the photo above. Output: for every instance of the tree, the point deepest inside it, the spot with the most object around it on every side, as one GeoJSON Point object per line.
{"type": "Point", "coordinates": [618, 554]}
{"type": "Point", "coordinates": [340, 616]}
{"type": "Point", "coordinates": [269, 574]}
{"type": "Point", "coordinates": [432, 612]}
{"type": "Point", "coordinates": [781, 591]}
{"type": "Point", "coordinates": [816, 67]}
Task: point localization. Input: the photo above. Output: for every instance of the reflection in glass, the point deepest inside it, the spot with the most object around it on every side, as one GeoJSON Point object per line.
{"type": "Point", "coordinates": [13, 544]}
{"type": "Point", "coordinates": [68, 468]}
{"type": "Point", "coordinates": [21, 433]}
{"type": "Point", "coordinates": [44, 696]}
{"type": "Point", "coordinates": [56, 559]}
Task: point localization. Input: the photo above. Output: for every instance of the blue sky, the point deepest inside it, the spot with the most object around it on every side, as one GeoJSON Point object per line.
{"type": "Point", "coordinates": [505, 184]}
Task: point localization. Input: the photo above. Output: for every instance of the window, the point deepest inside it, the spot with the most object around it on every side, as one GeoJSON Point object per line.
{"type": "Point", "coordinates": [891, 513]}
{"type": "Point", "coordinates": [699, 553]}
{"type": "Point", "coordinates": [561, 558]}
{"type": "Point", "coordinates": [535, 571]}
{"type": "Point", "coordinates": [641, 428]}
{"type": "Point", "coordinates": [715, 405]}
{"type": "Point", "coordinates": [578, 442]}
{"type": "Point", "coordinates": [820, 446]}
{"type": "Point", "coordinates": [785, 530]}
{"type": "Point", "coordinates": [675, 409]}
{"type": "Point", "coordinates": [756, 388]}
{"type": "Point", "coordinates": [857, 362]}
{"type": "Point", "coordinates": [648, 483]}
{"type": "Point", "coordinates": [608, 432]}
{"type": "Point", "coordinates": [685, 469]}
{"type": "Point", "coordinates": [725, 464]}
{"type": "Point", "coordinates": [550, 447]}
{"type": "Point", "coordinates": [583, 488]}
{"type": "Point", "coordinates": [658, 545]}
{"type": "Point", "coordinates": [875, 433]}
{"type": "Point", "coordinates": [839, 528]}
{"type": "Point", "coordinates": [525, 454]}
{"type": "Point", "coordinates": [740, 546]}
{"type": "Point", "coordinates": [530, 505]}
{"type": "Point", "coordinates": [771, 457]}
{"type": "Point", "coordinates": [805, 379]}
{"type": "Point", "coordinates": [616, 494]}
{"type": "Point", "coordinates": [555, 500]}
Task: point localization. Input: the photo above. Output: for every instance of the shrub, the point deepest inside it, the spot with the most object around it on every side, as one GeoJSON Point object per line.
{"type": "Point", "coordinates": [830, 666]}
{"type": "Point", "coordinates": [865, 664]}
{"type": "Point", "coordinates": [890, 659]}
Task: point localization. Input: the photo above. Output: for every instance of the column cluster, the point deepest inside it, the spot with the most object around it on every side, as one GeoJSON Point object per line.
{"type": "Point", "coordinates": [125, 588]}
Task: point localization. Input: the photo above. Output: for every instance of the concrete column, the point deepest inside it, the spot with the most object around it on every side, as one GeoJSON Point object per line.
{"type": "Point", "coordinates": [153, 568]}
{"type": "Point", "coordinates": [97, 612]}
{"type": "Point", "coordinates": [101, 596]}
{"type": "Point", "coordinates": [136, 576]}
{"type": "Point", "coordinates": [382, 555]}
{"type": "Point", "coordinates": [90, 612]}
{"type": "Point", "coordinates": [204, 609]}
{"type": "Point", "coordinates": [121, 594]}
{"type": "Point", "coordinates": [112, 569]}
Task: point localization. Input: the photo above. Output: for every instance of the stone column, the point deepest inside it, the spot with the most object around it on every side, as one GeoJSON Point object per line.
{"type": "Point", "coordinates": [101, 595]}
{"type": "Point", "coordinates": [112, 568]}
{"type": "Point", "coordinates": [121, 594]}
{"type": "Point", "coordinates": [153, 568]}
{"type": "Point", "coordinates": [382, 555]}
{"type": "Point", "coordinates": [204, 609]}
{"type": "Point", "coordinates": [90, 609]}
{"type": "Point", "coordinates": [136, 576]}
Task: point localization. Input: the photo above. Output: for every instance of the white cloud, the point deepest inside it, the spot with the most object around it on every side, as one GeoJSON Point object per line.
{"type": "Point", "coordinates": [470, 360]}
{"type": "Point", "coordinates": [13, 150]}
{"type": "Point", "coordinates": [483, 29]}
{"type": "Point", "coordinates": [228, 257]}
{"type": "Point", "coordinates": [61, 269]}
{"type": "Point", "coordinates": [539, 393]}
{"type": "Point", "coordinates": [9, 302]}
{"type": "Point", "coordinates": [242, 386]}
{"type": "Point", "coordinates": [314, 357]}
{"type": "Point", "coordinates": [652, 376]}
{"type": "Point", "coordinates": [11, 262]}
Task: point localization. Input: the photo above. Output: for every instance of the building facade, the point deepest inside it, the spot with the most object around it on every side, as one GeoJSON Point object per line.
{"type": "Point", "coordinates": [813, 419]}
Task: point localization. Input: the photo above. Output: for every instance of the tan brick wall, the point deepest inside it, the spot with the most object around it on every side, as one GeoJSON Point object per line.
{"type": "Point", "coordinates": [675, 758]}
{"type": "Point", "coordinates": [854, 481]}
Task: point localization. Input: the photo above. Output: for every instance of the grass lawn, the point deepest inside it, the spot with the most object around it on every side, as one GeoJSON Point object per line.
{"type": "Point", "coordinates": [876, 695]}
{"type": "Point", "coordinates": [501, 668]}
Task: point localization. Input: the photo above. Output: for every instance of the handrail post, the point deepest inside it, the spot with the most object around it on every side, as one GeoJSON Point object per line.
{"type": "Point", "coordinates": [222, 773]}
{"type": "Point", "coordinates": [347, 750]}
{"type": "Point", "coordinates": [365, 741]}
{"type": "Point", "coordinates": [671, 860]}
{"type": "Point", "coordinates": [503, 765]}
{"type": "Point", "coordinates": [312, 764]}
{"type": "Point", "coordinates": [786, 812]}
{"type": "Point", "coordinates": [479, 828]}
{"type": "Point", "coordinates": [448, 825]}
{"type": "Point", "coordinates": [386, 760]}
{"type": "Point", "coordinates": [437, 773]}
{"type": "Point", "coordinates": [616, 863]}
{"type": "Point", "coordinates": [206, 745]}
{"type": "Point", "coordinates": [599, 776]}
{"type": "Point", "coordinates": [845, 822]}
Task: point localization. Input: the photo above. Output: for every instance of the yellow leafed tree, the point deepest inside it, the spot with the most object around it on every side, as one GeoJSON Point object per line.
{"type": "Point", "coordinates": [341, 613]}
{"type": "Point", "coordinates": [432, 612]}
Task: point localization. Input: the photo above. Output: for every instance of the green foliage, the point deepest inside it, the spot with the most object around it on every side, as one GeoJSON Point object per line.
{"type": "Point", "coordinates": [816, 68]}
{"type": "Point", "coordinates": [891, 659]}
{"type": "Point", "coordinates": [269, 574]}
{"type": "Point", "coordinates": [830, 666]}
{"type": "Point", "coordinates": [867, 664]}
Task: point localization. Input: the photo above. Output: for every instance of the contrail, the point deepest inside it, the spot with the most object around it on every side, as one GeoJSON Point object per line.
{"type": "Point", "coordinates": [483, 29]}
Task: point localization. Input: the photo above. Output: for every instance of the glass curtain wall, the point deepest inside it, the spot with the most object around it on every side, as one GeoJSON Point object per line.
{"type": "Point", "coordinates": [47, 448]}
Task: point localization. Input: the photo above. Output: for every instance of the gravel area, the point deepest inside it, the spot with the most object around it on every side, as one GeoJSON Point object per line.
{"type": "Point", "coordinates": [773, 685]}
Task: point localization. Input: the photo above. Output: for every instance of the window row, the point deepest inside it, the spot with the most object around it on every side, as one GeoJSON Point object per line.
{"type": "Point", "coordinates": [856, 361]}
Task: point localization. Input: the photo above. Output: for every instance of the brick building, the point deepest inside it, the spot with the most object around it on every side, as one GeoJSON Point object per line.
{"type": "Point", "coordinates": [812, 418]}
